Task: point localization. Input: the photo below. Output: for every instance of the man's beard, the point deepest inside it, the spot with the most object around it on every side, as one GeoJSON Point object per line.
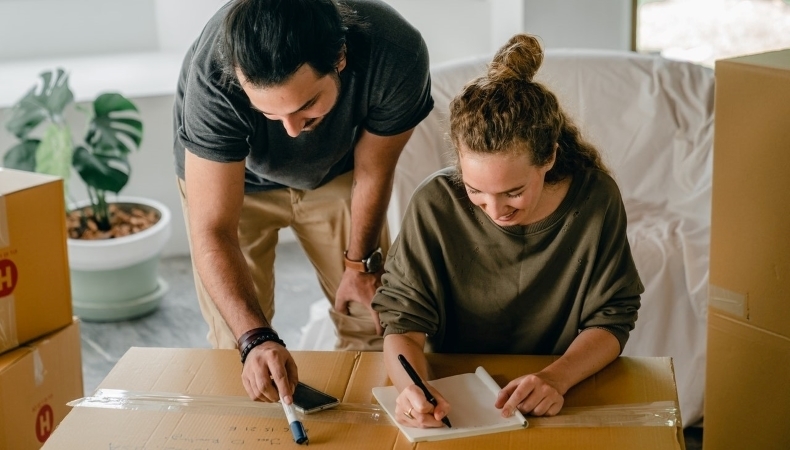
{"type": "Point", "coordinates": [316, 122]}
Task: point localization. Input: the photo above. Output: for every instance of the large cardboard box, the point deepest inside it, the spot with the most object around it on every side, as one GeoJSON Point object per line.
{"type": "Point", "coordinates": [193, 398]}
{"type": "Point", "coordinates": [747, 402]}
{"type": "Point", "coordinates": [35, 292]}
{"type": "Point", "coordinates": [37, 380]}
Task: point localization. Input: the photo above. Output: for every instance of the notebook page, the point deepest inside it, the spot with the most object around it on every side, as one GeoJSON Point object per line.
{"type": "Point", "coordinates": [471, 397]}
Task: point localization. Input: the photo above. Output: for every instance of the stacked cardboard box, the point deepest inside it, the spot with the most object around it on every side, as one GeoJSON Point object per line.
{"type": "Point", "coordinates": [193, 398]}
{"type": "Point", "coordinates": [747, 400]}
{"type": "Point", "coordinates": [40, 363]}
{"type": "Point", "coordinates": [36, 381]}
{"type": "Point", "coordinates": [35, 292]}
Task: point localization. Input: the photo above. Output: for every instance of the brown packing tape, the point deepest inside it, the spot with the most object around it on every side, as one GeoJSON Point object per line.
{"type": "Point", "coordinates": [8, 334]}
{"type": "Point", "coordinates": [728, 301]}
{"type": "Point", "coordinates": [5, 241]}
{"type": "Point", "coordinates": [39, 371]}
{"type": "Point", "coordinates": [655, 414]}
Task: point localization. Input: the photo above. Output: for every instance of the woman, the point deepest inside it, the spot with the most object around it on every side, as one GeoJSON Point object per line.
{"type": "Point", "coordinates": [519, 249]}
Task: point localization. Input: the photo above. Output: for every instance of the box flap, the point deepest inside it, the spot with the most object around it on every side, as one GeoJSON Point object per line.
{"type": "Point", "coordinates": [8, 359]}
{"type": "Point", "coordinates": [206, 372]}
{"type": "Point", "coordinates": [94, 428]}
{"type": "Point", "coordinates": [642, 438]}
{"type": "Point", "coordinates": [625, 381]}
{"type": "Point", "coordinates": [16, 180]}
{"type": "Point", "coordinates": [217, 372]}
{"type": "Point", "coordinates": [779, 60]}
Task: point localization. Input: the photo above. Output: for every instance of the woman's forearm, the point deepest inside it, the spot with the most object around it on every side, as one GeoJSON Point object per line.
{"type": "Point", "coordinates": [411, 346]}
{"type": "Point", "coordinates": [592, 350]}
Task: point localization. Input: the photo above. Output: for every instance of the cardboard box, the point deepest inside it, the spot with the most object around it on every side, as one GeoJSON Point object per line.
{"type": "Point", "coordinates": [749, 314]}
{"type": "Point", "coordinates": [626, 381]}
{"type": "Point", "coordinates": [35, 291]}
{"type": "Point", "coordinates": [193, 398]}
{"type": "Point", "coordinates": [748, 405]}
{"type": "Point", "coordinates": [36, 382]}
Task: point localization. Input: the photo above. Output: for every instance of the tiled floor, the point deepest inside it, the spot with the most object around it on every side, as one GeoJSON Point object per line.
{"type": "Point", "coordinates": [178, 323]}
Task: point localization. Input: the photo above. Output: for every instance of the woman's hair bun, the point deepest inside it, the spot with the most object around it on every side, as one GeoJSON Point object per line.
{"type": "Point", "coordinates": [518, 59]}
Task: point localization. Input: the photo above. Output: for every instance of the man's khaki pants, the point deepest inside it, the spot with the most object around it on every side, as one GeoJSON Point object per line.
{"type": "Point", "coordinates": [321, 221]}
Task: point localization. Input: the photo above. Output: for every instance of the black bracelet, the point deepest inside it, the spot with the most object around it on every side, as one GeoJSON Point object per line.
{"type": "Point", "coordinates": [248, 337]}
{"type": "Point", "coordinates": [258, 340]}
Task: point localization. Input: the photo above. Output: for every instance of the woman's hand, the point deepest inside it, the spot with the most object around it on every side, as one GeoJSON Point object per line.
{"type": "Point", "coordinates": [533, 394]}
{"type": "Point", "coordinates": [543, 393]}
{"type": "Point", "coordinates": [413, 410]}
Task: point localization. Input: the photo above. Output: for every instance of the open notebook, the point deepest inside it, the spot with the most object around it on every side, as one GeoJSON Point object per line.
{"type": "Point", "coordinates": [471, 396]}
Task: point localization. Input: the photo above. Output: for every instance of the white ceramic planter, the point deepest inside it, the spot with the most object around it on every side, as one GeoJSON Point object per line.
{"type": "Point", "coordinates": [116, 279]}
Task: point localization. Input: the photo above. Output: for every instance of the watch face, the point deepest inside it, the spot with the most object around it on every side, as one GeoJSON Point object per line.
{"type": "Point", "coordinates": [374, 262]}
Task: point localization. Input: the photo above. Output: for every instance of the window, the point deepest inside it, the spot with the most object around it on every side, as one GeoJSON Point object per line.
{"type": "Point", "coordinates": [703, 31]}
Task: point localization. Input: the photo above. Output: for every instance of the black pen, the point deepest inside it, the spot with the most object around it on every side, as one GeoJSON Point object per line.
{"type": "Point", "coordinates": [416, 379]}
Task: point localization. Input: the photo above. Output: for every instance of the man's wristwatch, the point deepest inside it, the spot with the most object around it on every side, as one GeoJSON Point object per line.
{"type": "Point", "coordinates": [371, 264]}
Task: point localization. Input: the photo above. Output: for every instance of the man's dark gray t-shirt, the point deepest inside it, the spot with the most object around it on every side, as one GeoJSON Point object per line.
{"type": "Point", "coordinates": [385, 89]}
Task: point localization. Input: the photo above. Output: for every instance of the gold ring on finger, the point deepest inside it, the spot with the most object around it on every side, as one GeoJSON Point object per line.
{"type": "Point", "coordinates": [408, 414]}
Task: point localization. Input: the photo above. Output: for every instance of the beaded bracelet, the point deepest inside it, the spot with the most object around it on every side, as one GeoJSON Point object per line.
{"type": "Point", "coordinates": [254, 338]}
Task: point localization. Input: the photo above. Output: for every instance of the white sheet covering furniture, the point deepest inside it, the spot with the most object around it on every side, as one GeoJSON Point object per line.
{"type": "Point", "coordinates": [652, 119]}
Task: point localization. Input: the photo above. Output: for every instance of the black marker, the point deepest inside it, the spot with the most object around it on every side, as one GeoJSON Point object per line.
{"type": "Point", "coordinates": [416, 379]}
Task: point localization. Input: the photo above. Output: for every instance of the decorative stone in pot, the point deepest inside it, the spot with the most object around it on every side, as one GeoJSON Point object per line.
{"type": "Point", "coordinates": [116, 278]}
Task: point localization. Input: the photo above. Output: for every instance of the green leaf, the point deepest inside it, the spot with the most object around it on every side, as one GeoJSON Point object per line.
{"type": "Point", "coordinates": [112, 102]}
{"type": "Point", "coordinates": [54, 153]}
{"type": "Point", "coordinates": [115, 125]}
{"type": "Point", "coordinates": [22, 156]}
{"type": "Point", "coordinates": [103, 173]}
{"type": "Point", "coordinates": [46, 100]}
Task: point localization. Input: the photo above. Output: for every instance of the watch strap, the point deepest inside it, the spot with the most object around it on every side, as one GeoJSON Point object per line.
{"type": "Point", "coordinates": [359, 266]}
{"type": "Point", "coordinates": [363, 265]}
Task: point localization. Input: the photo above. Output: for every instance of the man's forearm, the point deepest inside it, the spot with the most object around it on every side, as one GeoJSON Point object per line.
{"type": "Point", "coordinates": [369, 201]}
{"type": "Point", "coordinates": [375, 158]}
{"type": "Point", "coordinates": [225, 275]}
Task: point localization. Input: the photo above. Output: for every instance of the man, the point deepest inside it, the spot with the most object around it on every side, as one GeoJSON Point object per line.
{"type": "Point", "coordinates": [293, 113]}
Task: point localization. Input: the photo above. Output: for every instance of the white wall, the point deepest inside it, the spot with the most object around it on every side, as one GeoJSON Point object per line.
{"type": "Point", "coordinates": [108, 45]}
{"type": "Point", "coordinates": [179, 22]}
{"type": "Point", "coordinates": [460, 28]}
{"type": "Point", "coordinates": [451, 28]}
{"type": "Point", "coordinates": [579, 24]}
{"type": "Point", "coordinates": [50, 28]}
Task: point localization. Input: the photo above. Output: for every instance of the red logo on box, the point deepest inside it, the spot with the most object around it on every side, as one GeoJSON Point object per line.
{"type": "Point", "coordinates": [45, 423]}
{"type": "Point", "coordinates": [8, 277]}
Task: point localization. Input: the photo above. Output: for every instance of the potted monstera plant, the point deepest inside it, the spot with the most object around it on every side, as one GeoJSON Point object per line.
{"type": "Point", "coordinates": [114, 242]}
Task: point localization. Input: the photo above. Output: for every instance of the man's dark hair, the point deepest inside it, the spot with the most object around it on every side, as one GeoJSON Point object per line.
{"type": "Point", "coordinates": [268, 40]}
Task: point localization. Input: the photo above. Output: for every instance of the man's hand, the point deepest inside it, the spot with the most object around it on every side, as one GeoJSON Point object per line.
{"type": "Point", "coordinates": [359, 287]}
{"type": "Point", "coordinates": [269, 370]}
